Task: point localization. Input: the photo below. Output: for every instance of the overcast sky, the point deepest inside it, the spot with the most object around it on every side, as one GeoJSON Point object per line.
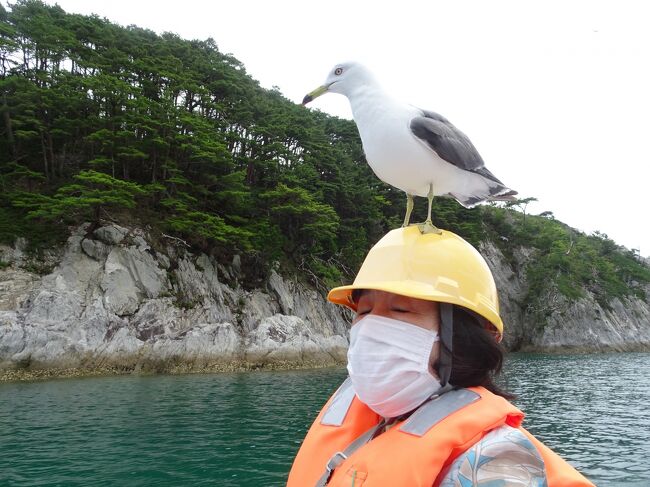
{"type": "Point", "coordinates": [555, 95]}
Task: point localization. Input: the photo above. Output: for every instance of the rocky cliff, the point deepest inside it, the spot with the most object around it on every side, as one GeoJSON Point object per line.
{"type": "Point", "coordinates": [108, 300]}
{"type": "Point", "coordinates": [562, 324]}
{"type": "Point", "coordinates": [112, 302]}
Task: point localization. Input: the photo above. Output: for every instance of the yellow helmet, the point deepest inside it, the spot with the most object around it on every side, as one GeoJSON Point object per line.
{"type": "Point", "coordinates": [436, 267]}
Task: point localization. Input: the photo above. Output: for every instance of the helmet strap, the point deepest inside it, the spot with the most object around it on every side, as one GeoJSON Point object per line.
{"type": "Point", "coordinates": [446, 343]}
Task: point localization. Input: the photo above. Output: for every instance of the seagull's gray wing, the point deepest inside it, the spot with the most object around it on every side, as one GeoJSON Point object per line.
{"type": "Point", "coordinates": [449, 143]}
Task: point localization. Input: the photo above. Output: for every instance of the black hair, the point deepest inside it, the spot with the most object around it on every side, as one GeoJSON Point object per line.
{"type": "Point", "coordinates": [477, 357]}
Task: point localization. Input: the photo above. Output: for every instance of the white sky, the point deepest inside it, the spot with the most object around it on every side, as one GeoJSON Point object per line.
{"type": "Point", "coordinates": [554, 94]}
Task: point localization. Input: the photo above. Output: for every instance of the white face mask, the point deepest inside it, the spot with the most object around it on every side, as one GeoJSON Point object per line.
{"type": "Point", "coordinates": [388, 363]}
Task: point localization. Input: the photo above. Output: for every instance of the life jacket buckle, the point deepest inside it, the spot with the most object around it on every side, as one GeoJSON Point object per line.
{"type": "Point", "coordinates": [337, 459]}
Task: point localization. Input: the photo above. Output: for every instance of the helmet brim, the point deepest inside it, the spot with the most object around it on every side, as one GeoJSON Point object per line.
{"type": "Point", "coordinates": [343, 295]}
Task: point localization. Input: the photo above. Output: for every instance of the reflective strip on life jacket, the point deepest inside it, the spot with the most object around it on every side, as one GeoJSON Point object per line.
{"type": "Point", "coordinates": [418, 423]}
{"type": "Point", "coordinates": [340, 404]}
{"type": "Point", "coordinates": [437, 409]}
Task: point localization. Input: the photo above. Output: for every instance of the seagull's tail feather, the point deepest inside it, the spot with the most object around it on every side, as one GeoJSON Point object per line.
{"type": "Point", "coordinates": [483, 186]}
{"type": "Point", "coordinates": [509, 195]}
{"type": "Point", "coordinates": [497, 193]}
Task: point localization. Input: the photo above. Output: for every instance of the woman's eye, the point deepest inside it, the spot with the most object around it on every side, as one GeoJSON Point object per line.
{"type": "Point", "coordinates": [400, 310]}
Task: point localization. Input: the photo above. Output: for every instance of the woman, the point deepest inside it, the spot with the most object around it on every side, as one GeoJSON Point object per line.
{"type": "Point", "coordinates": [420, 407]}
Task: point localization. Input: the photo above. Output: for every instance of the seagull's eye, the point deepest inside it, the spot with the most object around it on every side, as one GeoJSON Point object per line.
{"type": "Point", "coordinates": [338, 71]}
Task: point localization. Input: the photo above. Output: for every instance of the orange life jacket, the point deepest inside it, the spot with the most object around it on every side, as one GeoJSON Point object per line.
{"type": "Point", "coordinates": [415, 451]}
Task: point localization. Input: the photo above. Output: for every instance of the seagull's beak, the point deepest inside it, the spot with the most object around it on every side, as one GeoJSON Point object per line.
{"type": "Point", "coordinates": [321, 90]}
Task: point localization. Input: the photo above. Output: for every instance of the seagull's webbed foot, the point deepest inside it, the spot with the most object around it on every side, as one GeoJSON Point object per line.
{"type": "Point", "coordinates": [428, 227]}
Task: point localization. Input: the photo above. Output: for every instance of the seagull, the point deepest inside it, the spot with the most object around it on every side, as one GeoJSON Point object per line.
{"type": "Point", "coordinates": [417, 151]}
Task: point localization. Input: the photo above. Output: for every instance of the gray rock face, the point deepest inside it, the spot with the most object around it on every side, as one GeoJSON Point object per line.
{"type": "Point", "coordinates": [15, 286]}
{"type": "Point", "coordinates": [95, 249]}
{"type": "Point", "coordinates": [15, 254]}
{"type": "Point", "coordinates": [577, 325]}
{"type": "Point", "coordinates": [113, 301]}
{"type": "Point", "coordinates": [111, 234]}
{"type": "Point", "coordinates": [130, 275]}
{"type": "Point", "coordinates": [585, 325]}
{"type": "Point", "coordinates": [512, 289]}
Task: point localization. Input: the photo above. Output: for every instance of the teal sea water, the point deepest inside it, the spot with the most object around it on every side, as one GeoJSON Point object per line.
{"type": "Point", "coordinates": [243, 429]}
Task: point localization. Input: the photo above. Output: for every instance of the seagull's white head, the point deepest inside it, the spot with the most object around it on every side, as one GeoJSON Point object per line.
{"type": "Point", "coordinates": [343, 79]}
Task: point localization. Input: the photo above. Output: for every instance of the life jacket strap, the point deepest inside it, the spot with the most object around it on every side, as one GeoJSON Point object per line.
{"type": "Point", "coordinates": [339, 457]}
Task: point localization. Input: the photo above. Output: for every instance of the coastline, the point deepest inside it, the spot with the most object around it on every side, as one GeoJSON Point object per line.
{"type": "Point", "coordinates": [169, 368]}
{"type": "Point", "coordinates": [26, 375]}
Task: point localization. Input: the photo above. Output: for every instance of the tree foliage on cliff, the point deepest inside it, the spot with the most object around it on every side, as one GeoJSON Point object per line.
{"type": "Point", "coordinates": [101, 121]}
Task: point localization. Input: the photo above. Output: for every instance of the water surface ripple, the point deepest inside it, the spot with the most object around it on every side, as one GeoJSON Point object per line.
{"type": "Point", "coordinates": [592, 409]}
{"type": "Point", "coordinates": [243, 429]}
